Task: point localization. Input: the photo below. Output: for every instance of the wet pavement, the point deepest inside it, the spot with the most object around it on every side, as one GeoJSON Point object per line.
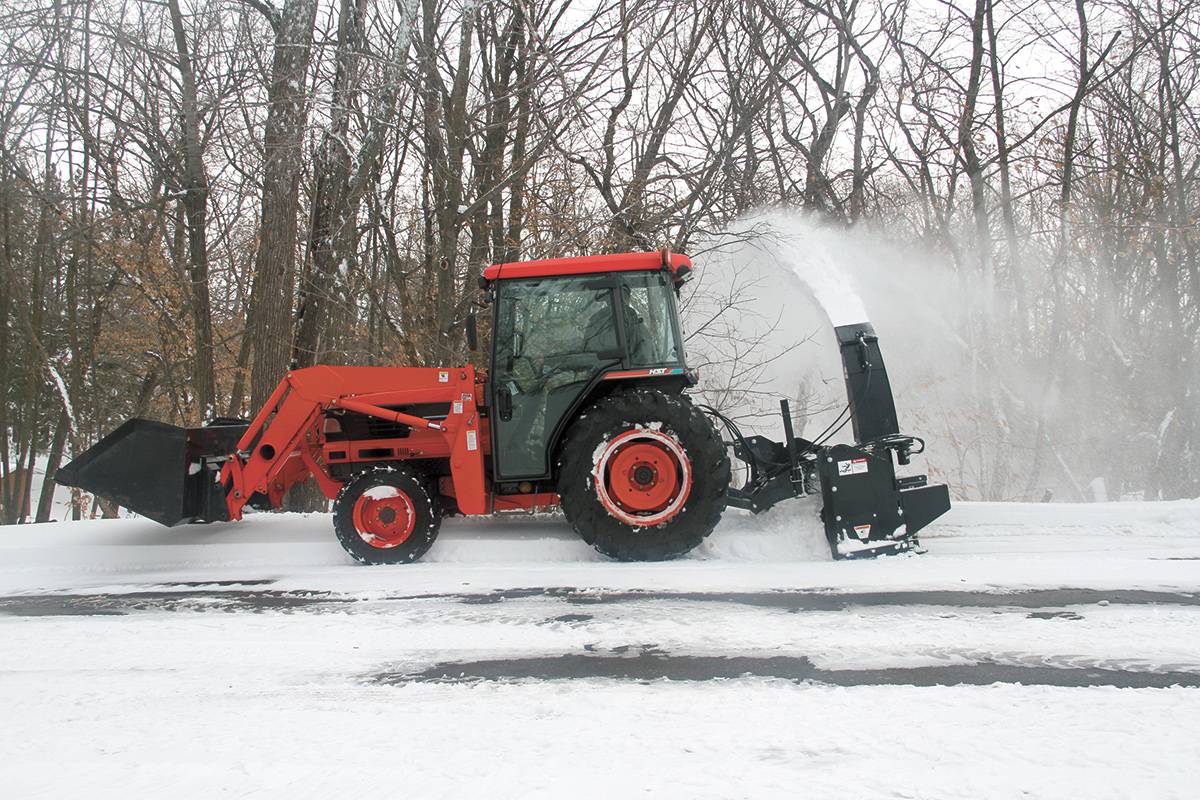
{"type": "Point", "coordinates": [651, 664]}
{"type": "Point", "coordinates": [227, 596]}
{"type": "Point", "coordinates": [600, 611]}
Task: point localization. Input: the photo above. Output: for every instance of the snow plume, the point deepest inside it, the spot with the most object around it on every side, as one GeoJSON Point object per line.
{"type": "Point", "coordinates": [771, 287]}
{"type": "Point", "coordinates": [809, 254]}
{"type": "Point", "coordinates": [1005, 416]}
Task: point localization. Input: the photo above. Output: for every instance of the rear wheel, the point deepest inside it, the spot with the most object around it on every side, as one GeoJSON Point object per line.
{"type": "Point", "coordinates": [642, 476]}
{"type": "Point", "coordinates": [385, 516]}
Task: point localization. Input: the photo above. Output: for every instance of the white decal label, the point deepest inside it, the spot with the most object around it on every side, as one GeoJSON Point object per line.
{"type": "Point", "coordinates": [443, 377]}
{"type": "Point", "coordinates": [472, 440]}
{"type": "Point", "coordinates": [857, 466]}
{"type": "Point", "coordinates": [862, 530]}
{"type": "Point", "coordinates": [458, 407]}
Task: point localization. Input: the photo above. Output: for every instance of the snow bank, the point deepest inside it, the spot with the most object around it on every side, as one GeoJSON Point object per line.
{"type": "Point", "coordinates": [790, 531]}
{"type": "Point", "coordinates": [1129, 518]}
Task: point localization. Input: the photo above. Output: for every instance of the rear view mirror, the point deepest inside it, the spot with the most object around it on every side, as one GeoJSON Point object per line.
{"type": "Point", "coordinates": [472, 332]}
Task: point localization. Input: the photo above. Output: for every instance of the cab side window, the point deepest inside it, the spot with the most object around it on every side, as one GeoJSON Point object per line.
{"type": "Point", "coordinates": [649, 314]}
{"type": "Point", "coordinates": [555, 335]}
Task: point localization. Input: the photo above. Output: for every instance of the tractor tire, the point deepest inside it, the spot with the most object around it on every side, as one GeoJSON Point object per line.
{"type": "Point", "coordinates": [642, 475]}
{"type": "Point", "coordinates": [386, 516]}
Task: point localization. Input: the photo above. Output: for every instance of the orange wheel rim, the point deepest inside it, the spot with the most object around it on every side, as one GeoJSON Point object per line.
{"type": "Point", "coordinates": [643, 477]}
{"type": "Point", "coordinates": [385, 517]}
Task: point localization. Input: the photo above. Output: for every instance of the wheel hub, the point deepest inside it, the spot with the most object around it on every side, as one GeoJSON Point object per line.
{"type": "Point", "coordinates": [643, 477]}
{"type": "Point", "coordinates": [384, 517]}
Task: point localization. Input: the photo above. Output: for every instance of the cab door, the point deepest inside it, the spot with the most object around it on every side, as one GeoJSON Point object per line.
{"type": "Point", "coordinates": [552, 337]}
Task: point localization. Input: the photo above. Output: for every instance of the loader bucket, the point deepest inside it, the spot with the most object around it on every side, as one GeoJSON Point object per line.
{"type": "Point", "coordinates": [160, 471]}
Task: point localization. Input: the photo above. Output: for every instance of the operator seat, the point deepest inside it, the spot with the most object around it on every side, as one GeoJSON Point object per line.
{"type": "Point", "coordinates": [599, 334]}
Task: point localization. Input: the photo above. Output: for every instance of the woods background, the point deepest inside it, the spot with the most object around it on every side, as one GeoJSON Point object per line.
{"type": "Point", "coordinates": [194, 194]}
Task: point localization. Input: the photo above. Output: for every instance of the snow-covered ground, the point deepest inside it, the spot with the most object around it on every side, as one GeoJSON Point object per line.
{"type": "Point", "coordinates": [1035, 650]}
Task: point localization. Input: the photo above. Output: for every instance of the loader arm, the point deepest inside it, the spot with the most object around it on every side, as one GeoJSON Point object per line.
{"type": "Point", "coordinates": [210, 473]}
{"type": "Point", "coordinates": [285, 442]}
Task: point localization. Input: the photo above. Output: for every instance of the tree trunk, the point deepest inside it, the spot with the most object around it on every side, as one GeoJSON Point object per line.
{"type": "Point", "coordinates": [1016, 284]}
{"type": "Point", "coordinates": [524, 90]}
{"type": "Point", "coordinates": [275, 266]}
{"type": "Point", "coordinates": [332, 240]}
{"type": "Point", "coordinates": [6, 232]}
{"type": "Point", "coordinates": [194, 182]}
{"type": "Point", "coordinates": [970, 156]}
{"type": "Point", "coordinates": [53, 460]}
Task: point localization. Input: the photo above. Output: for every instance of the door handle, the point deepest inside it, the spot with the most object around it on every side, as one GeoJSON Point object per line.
{"type": "Point", "coordinates": [504, 403]}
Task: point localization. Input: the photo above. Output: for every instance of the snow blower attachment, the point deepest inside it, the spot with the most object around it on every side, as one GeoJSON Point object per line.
{"type": "Point", "coordinates": [866, 509]}
{"type": "Point", "coordinates": [584, 408]}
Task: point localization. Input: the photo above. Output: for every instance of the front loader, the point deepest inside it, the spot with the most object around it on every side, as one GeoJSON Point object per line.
{"type": "Point", "coordinates": [584, 407]}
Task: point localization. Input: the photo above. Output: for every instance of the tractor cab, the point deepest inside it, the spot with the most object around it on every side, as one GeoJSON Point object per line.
{"type": "Point", "coordinates": [563, 329]}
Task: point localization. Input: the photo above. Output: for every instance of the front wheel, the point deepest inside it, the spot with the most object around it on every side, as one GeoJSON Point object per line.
{"type": "Point", "coordinates": [642, 476]}
{"type": "Point", "coordinates": [385, 516]}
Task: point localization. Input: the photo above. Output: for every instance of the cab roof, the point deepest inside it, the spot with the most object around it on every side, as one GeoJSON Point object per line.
{"type": "Point", "coordinates": [678, 264]}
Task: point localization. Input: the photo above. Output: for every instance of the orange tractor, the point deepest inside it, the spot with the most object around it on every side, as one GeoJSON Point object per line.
{"type": "Point", "coordinates": [584, 408]}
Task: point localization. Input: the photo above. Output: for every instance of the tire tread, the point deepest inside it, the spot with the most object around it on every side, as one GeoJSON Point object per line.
{"type": "Point", "coordinates": [622, 411]}
{"type": "Point", "coordinates": [405, 479]}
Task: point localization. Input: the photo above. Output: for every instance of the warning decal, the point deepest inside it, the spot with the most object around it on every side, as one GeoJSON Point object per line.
{"type": "Point", "coordinates": [857, 466]}
{"type": "Point", "coordinates": [472, 440]}
{"type": "Point", "coordinates": [443, 377]}
{"type": "Point", "coordinates": [862, 530]}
